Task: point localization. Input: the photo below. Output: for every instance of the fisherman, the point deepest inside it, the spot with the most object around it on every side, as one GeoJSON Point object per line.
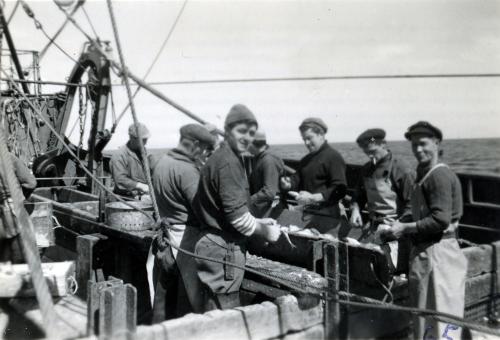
{"type": "Point", "coordinates": [384, 187]}
{"type": "Point", "coordinates": [126, 164]}
{"type": "Point", "coordinates": [319, 182]}
{"type": "Point", "coordinates": [265, 176]}
{"type": "Point", "coordinates": [10, 243]}
{"type": "Point", "coordinates": [175, 181]}
{"type": "Point", "coordinates": [225, 223]}
{"type": "Point", "coordinates": [437, 265]}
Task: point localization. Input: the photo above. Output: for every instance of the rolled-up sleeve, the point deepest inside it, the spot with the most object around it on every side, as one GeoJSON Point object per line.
{"type": "Point", "coordinates": [438, 192]}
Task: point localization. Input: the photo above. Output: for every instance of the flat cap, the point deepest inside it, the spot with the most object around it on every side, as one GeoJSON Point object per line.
{"type": "Point", "coordinates": [239, 113]}
{"type": "Point", "coordinates": [371, 135]}
{"type": "Point", "coordinates": [313, 121]}
{"type": "Point", "coordinates": [260, 136]}
{"type": "Point", "coordinates": [425, 128]}
{"type": "Point", "coordinates": [143, 131]}
{"type": "Point", "coordinates": [197, 132]}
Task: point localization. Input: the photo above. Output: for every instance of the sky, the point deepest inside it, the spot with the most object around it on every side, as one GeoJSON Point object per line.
{"type": "Point", "coordinates": [266, 39]}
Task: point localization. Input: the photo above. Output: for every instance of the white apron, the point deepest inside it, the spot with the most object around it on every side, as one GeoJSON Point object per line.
{"type": "Point", "coordinates": [437, 274]}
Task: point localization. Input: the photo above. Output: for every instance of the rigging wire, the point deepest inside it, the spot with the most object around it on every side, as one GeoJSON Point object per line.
{"type": "Point", "coordinates": [117, 68]}
{"type": "Point", "coordinates": [145, 161]}
{"type": "Point", "coordinates": [67, 147]}
{"type": "Point", "coordinates": [16, 6]}
{"type": "Point", "coordinates": [59, 31]}
{"type": "Point", "coordinates": [90, 22]}
{"type": "Point", "coordinates": [167, 38]}
{"type": "Point", "coordinates": [39, 26]}
{"type": "Point", "coordinates": [325, 78]}
{"type": "Point", "coordinates": [45, 82]}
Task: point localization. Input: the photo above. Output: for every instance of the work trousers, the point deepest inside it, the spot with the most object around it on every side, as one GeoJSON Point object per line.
{"type": "Point", "coordinates": [211, 285]}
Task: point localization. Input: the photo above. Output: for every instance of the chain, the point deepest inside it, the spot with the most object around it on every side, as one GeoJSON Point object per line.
{"type": "Point", "coordinates": [81, 113]}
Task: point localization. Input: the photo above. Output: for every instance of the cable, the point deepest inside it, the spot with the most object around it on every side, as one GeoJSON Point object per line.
{"type": "Point", "coordinates": [145, 161]}
{"type": "Point", "coordinates": [90, 22]}
{"type": "Point", "coordinates": [117, 68]}
{"type": "Point", "coordinates": [66, 146]}
{"type": "Point", "coordinates": [39, 26]}
{"type": "Point", "coordinates": [172, 28]}
{"type": "Point", "coordinates": [13, 12]}
{"type": "Point", "coordinates": [323, 78]}
{"type": "Point", "coordinates": [59, 31]}
{"type": "Point", "coordinates": [44, 82]}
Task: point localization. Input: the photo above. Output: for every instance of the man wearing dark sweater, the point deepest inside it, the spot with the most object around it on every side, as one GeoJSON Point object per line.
{"type": "Point", "coordinates": [319, 183]}
{"type": "Point", "coordinates": [437, 265]}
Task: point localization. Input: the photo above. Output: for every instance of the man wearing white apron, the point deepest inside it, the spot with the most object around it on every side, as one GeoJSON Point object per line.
{"type": "Point", "coordinates": [384, 189]}
{"type": "Point", "coordinates": [175, 178]}
{"type": "Point", "coordinates": [437, 265]}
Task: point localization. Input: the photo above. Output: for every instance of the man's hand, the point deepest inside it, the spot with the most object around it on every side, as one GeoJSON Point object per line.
{"type": "Point", "coordinates": [304, 197]}
{"type": "Point", "coordinates": [285, 183]}
{"type": "Point", "coordinates": [142, 188]}
{"type": "Point", "coordinates": [396, 231]}
{"type": "Point", "coordinates": [268, 229]}
{"type": "Point", "coordinates": [356, 220]}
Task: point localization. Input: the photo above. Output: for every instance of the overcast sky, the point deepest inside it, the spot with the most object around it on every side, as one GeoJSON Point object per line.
{"type": "Point", "coordinates": [251, 39]}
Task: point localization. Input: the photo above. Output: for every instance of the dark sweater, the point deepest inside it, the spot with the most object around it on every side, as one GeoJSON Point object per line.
{"type": "Point", "coordinates": [322, 172]}
{"type": "Point", "coordinates": [223, 191]}
{"type": "Point", "coordinates": [443, 194]}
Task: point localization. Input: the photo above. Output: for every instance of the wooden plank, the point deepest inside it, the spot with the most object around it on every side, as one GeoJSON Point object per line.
{"type": "Point", "coordinates": [260, 288]}
{"type": "Point", "coordinates": [262, 321]}
{"type": "Point", "coordinates": [332, 308]}
{"type": "Point", "coordinates": [85, 261]}
{"type": "Point", "coordinates": [15, 280]}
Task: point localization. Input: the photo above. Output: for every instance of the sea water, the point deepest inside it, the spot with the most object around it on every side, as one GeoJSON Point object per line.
{"type": "Point", "coordinates": [462, 155]}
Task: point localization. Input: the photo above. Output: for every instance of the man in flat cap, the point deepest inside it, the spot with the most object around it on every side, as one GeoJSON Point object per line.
{"type": "Point", "coordinates": [225, 222]}
{"type": "Point", "coordinates": [265, 176]}
{"type": "Point", "coordinates": [319, 182]}
{"type": "Point", "coordinates": [175, 180]}
{"type": "Point", "coordinates": [126, 164]}
{"type": "Point", "coordinates": [384, 189]}
{"type": "Point", "coordinates": [438, 267]}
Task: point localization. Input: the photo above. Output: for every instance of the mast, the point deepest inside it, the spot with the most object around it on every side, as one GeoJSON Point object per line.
{"type": "Point", "coordinates": [12, 48]}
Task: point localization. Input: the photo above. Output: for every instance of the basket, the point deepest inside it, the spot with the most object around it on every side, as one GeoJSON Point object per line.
{"type": "Point", "coordinates": [126, 218]}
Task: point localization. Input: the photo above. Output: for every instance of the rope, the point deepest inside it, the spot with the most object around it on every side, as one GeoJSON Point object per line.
{"type": "Point", "coordinates": [145, 161]}
{"type": "Point", "coordinates": [16, 6]}
{"type": "Point", "coordinates": [14, 198]}
{"type": "Point", "coordinates": [59, 31]}
{"type": "Point", "coordinates": [68, 149]}
{"type": "Point", "coordinates": [90, 23]}
{"type": "Point", "coordinates": [39, 26]}
{"type": "Point", "coordinates": [167, 38]}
